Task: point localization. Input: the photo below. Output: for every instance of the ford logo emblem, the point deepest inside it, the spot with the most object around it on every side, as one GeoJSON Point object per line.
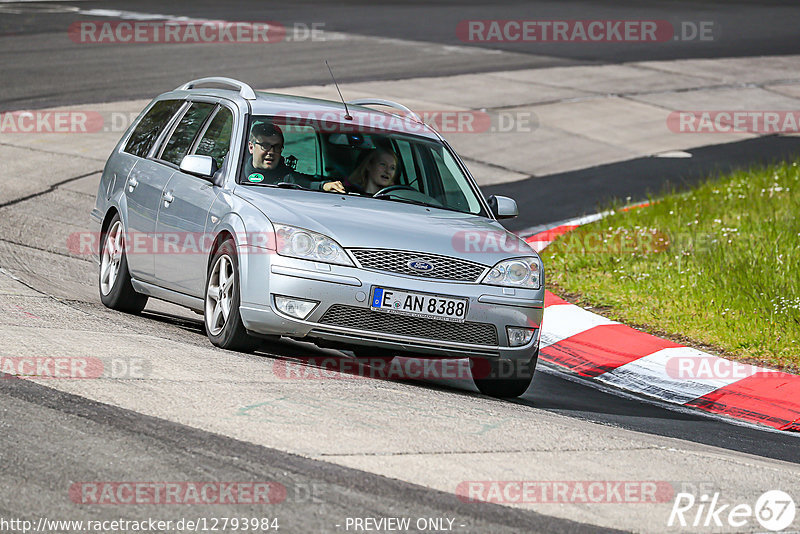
{"type": "Point", "coordinates": [419, 265]}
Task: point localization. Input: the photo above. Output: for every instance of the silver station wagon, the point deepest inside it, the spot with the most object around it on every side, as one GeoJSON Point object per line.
{"type": "Point", "coordinates": [321, 221]}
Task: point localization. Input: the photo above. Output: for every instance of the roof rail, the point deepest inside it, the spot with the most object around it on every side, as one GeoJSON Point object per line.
{"type": "Point", "coordinates": [387, 103]}
{"type": "Point", "coordinates": [245, 90]}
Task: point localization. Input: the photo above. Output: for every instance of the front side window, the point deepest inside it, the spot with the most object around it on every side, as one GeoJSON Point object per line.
{"type": "Point", "coordinates": [150, 127]}
{"type": "Point", "coordinates": [181, 140]}
{"type": "Point", "coordinates": [385, 165]}
{"type": "Point", "coordinates": [216, 140]}
{"type": "Point", "coordinates": [453, 182]}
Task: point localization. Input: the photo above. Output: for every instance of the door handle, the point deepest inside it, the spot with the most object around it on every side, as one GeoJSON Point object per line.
{"type": "Point", "coordinates": [132, 183]}
{"type": "Point", "coordinates": [168, 198]}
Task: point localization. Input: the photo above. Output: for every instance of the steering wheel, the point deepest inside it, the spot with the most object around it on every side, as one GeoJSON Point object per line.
{"type": "Point", "coordinates": [391, 188]}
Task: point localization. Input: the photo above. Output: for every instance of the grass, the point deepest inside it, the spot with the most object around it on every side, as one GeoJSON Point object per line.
{"type": "Point", "coordinates": [716, 267]}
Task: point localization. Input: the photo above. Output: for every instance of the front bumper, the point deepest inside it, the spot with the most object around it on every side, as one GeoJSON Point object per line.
{"type": "Point", "coordinates": [345, 292]}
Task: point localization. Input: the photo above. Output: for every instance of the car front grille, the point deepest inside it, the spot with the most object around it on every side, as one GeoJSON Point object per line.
{"type": "Point", "coordinates": [387, 323]}
{"type": "Point", "coordinates": [396, 261]}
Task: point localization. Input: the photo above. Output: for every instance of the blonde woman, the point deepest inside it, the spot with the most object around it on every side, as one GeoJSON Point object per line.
{"type": "Point", "coordinates": [377, 171]}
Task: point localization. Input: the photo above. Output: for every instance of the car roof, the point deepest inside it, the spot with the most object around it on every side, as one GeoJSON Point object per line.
{"type": "Point", "coordinates": [333, 111]}
{"type": "Point", "coordinates": [330, 111]}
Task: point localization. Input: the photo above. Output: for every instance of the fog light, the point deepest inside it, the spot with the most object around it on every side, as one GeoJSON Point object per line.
{"type": "Point", "coordinates": [519, 336]}
{"type": "Point", "coordinates": [295, 307]}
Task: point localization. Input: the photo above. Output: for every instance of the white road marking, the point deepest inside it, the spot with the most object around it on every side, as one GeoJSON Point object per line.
{"type": "Point", "coordinates": [562, 321]}
{"type": "Point", "coordinates": [650, 376]}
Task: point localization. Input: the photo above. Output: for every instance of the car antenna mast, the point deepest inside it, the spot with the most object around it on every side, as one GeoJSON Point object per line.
{"type": "Point", "coordinates": [347, 115]}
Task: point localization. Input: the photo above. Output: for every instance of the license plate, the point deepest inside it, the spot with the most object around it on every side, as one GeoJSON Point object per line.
{"type": "Point", "coordinates": [419, 305]}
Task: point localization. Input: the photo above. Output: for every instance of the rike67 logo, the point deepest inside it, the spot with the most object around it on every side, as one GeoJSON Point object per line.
{"type": "Point", "coordinates": [774, 510]}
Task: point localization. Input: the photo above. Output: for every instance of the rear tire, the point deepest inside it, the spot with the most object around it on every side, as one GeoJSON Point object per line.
{"type": "Point", "coordinates": [221, 316]}
{"type": "Point", "coordinates": [503, 378]}
{"type": "Point", "coordinates": [114, 280]}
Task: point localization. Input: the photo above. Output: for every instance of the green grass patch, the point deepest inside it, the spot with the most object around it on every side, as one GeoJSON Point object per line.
{"type": "Point", "coordinates": [717, 266]}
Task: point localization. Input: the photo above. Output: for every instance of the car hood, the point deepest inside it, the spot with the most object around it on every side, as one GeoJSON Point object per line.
{"type": "Point", "coordinates": [360, 222]}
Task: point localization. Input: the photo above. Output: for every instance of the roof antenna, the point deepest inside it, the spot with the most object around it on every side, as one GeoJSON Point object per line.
{"type": "Point", "coordinates": [347, 115]}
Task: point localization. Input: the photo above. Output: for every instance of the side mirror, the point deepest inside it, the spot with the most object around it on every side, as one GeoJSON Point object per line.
{"type": "Point", "coordinates": [202, 166]}
{"type": "Point", "coordinates": [503, 207]}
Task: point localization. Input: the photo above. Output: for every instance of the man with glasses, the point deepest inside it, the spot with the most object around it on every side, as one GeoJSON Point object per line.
{"type": "Point", "coordinates": [267, 165]}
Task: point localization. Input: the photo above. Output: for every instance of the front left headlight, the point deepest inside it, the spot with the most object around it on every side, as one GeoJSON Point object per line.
{"type": "Point", "coordinates": [524, 273]}
{"type": "Point", "coordinates": [307, 245]}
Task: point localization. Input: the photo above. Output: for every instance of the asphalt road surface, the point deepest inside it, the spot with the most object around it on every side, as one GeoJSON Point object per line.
{"type": "Point", "coordinates": [43, 66]}
{"type": "Point", "coordinates": [349, 462]}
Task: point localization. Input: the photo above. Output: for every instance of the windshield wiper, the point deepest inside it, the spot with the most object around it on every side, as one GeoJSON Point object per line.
{"type": "Point", "coordinates": [282, 185]}
{"type": "Point", "coordinates": [406, 201]}
{"type": "Point", "coordinates": [420, 203]}
{"type": "Point", "coordinates": [290, 185]}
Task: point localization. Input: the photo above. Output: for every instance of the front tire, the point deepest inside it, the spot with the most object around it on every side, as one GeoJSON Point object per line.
{"type": "Point", "coordinates": [114, 280]}
{"type": "Point", "coordinates": [503, 378]}
{"type": "Point", "coordinates": [222, 319]}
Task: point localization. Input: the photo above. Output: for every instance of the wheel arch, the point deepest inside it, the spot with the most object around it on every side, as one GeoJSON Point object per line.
{"type": "Point", "coordinates": [116, 205]}
{"type": "Point", "coordinates": [253, 250]}
{"type": "Point", "coordinates": [112, 211]}
{"type": "Point", "coordinates": [231, 227]}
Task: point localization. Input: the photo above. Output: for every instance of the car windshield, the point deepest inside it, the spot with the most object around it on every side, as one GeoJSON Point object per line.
{"type": "Point", "coordinates": [377, 163]}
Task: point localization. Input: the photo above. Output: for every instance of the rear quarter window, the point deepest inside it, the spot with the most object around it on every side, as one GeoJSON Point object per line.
{"type": "Point", "coordinates": [150, 127]}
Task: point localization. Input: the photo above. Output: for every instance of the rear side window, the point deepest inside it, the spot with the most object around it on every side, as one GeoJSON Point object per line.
{"type": "Point", "coordinates": [151, 125]}
{"type": "Point", "coordinates": [178, 145]}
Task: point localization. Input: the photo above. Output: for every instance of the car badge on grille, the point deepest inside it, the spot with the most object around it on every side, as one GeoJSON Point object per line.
{"type": "Point", "coordinates": [420, 265]}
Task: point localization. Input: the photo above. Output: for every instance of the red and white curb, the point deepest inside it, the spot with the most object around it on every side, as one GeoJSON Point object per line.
{"type": "Point", "coordinates": [613, 354]}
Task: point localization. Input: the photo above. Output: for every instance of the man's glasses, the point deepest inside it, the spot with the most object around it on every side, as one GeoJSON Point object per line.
{"type": "Point", "coordinates": [266, 146]}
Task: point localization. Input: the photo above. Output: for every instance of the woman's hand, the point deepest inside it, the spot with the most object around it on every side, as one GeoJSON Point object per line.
{"type": "Point", "coordinates": [335, 187]}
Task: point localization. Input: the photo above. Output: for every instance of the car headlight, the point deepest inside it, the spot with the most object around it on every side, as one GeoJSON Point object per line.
{"type": "Point", "coordinates": [308, 245]}
{"type": "Point", "coordinates": [518, 272]}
